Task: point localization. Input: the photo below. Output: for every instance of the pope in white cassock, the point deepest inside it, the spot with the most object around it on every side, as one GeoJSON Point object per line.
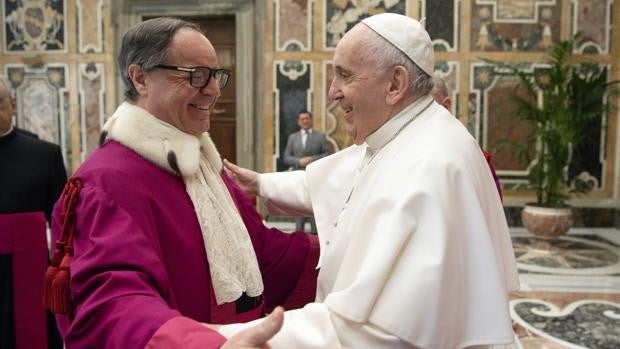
{"type": "Point", "coordinates": [415, 249]}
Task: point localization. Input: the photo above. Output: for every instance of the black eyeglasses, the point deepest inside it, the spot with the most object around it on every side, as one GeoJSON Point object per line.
{"type": "Point", "coordinates": [199, 77]}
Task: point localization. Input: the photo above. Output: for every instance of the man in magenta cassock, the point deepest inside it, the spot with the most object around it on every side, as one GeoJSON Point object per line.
{"type": "Point", "coordinates": [164, 241]}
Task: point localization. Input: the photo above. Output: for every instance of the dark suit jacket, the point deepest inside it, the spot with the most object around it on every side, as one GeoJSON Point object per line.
{"type": "Point", "coordinates": [316, 146]}
{"type": "Point", "coordinates": [32, 177]}
{"type": "Point", "coordinates": [32, 174]}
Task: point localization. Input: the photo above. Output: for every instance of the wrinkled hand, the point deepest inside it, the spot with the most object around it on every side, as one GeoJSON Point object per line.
{"type": "Point", "coordinates": [257, 336]}
{"type": "Point", "coordinates": [246, 179]}
{"type": "Point", "coordinates": [303, 162]}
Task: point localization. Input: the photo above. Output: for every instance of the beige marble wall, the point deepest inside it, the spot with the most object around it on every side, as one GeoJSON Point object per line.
{"type": "Point", "coordinates": [465, 33]}
{"type": "Point", "coordinates": [55, 54]}
{"type": "Point", "coordinates": [59, 56]}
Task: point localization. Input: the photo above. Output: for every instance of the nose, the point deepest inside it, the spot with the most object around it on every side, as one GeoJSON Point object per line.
{"type": "Point", "coordinates": [211, 88]}
{"type": "Point", "coordinates": [334, 92]}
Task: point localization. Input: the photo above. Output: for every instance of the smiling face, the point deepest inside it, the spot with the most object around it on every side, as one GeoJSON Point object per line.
{"type": "Point", "coordinates": [359, 86]}
{"type": "Point", "coordinates": [168, 95]}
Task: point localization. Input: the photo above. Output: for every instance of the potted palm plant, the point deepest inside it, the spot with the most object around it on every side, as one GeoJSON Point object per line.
{"type": "Point", "coordinates": [560, 102]}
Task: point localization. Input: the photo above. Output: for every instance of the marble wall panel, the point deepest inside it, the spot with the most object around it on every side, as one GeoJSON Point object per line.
{"type": "Point", "coordinates": [92, 92]}
{"type": "Point", "coordinates": [442, 23]}
{"type": "Point", "coordinates": [293, 26]}
{"type": "Point", "coordinates": [342, 15]}
{"type": "Point", "coordinates": [43, 102]}
{"type": "Point", "coordinates": [514, 25]}
{"type": "Point", "coordinates": [492, 122]}
{"type": "Point", "coordinates": [593, 19]}
{"type": "Point", "coordinates": [39, 103]}
{"type": "Point", "coordinates": [492, 119]}
{"type": "Point", "coordinates": [90, 26]}
{"type": "Point", "coordinates": [34, 26]}
{"type": "Point", "coordinates": [293, 93]}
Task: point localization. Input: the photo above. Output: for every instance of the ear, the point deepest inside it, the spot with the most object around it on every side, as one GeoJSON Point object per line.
{"type": "Point", "coordinates": [136, 75]}
{"type": "Point", "coordinates": [447, 103]}
{"type": "Point", "coordinates": [398, 85]}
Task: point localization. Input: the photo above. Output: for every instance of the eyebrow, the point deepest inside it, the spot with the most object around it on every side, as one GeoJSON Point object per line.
{"type": "Point", "coordinates": [340, 68]}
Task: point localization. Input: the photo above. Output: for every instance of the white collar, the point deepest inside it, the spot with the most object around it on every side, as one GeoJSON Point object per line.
{"type": "Point", "coordinates": [232, 260]}
{"type": "Point", "coordinates": [160, 142]}
{"type": "Point", "coordinates": [7, 132]}
{"type": "Point", "coordinates": [388, 131]}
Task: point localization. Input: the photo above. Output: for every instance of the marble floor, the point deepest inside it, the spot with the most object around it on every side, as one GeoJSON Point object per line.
{"type": "Point", "coordinates": [570, 290]}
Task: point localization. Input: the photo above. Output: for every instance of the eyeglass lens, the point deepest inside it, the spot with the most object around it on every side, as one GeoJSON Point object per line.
{"type": "Point", "coordinates": [201, 76]}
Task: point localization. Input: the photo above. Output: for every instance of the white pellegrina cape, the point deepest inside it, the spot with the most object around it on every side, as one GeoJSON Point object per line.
{"type": "Point", "coordinates": [419, 255]}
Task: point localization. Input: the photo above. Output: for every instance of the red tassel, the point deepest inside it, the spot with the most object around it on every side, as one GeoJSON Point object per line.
{"type": "Point", "coordinates": [57, 279]}
{"type": "Point", "coordinates": [60, 297]}
{"type": "Point", "coordinates": [51, 272]}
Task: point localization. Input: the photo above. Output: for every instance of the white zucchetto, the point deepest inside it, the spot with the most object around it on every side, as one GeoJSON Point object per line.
{"type": "Point", "coordinates": [406, 34]}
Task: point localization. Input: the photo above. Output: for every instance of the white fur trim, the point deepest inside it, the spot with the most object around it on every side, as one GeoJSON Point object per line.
{"type": "Point", "coordinates": [232, 260]}
{"type": "Point", "coordinates": [152, 138]}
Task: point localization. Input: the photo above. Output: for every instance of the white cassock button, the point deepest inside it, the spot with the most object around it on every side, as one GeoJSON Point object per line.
{"type": "Point", "coordinates": [335, 224]}
{"type": "Point", "coordinates": [327, 243]}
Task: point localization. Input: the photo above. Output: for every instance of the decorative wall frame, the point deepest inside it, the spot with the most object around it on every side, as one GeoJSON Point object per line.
{"type": "Point", "coordinates": [292, 90]}
{"type": "Point", "coordinates": [34, 26]}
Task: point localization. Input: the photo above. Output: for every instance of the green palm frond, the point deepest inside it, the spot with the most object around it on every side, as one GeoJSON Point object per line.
{"type": "Point", "coordinates": [574, 96]}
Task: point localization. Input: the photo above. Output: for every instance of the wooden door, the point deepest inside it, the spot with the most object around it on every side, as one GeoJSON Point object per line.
{"type": "Point", "coordinates": [221, 33]}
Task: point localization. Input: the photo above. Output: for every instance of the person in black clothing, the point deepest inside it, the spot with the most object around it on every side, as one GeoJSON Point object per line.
{"type": "Point", "coordinates": [32, 176]}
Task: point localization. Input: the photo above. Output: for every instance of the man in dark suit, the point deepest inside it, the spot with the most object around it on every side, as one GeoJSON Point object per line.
{"type": "Point", "coordinates": [302, 148]}
{"type": "Point", "coordinates": [32, 177]}
{"type": "Point", "coordinates": [305, 145]}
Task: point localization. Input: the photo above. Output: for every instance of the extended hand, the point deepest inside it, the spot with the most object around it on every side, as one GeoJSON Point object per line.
{"type": "Point", "coordinates": [257, 336]}
{"type": "Point", "coordinates": [246, 179]}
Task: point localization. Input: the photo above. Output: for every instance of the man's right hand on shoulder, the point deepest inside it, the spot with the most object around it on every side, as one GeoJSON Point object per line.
{"type": "Point", "coordinates": [246, 179]}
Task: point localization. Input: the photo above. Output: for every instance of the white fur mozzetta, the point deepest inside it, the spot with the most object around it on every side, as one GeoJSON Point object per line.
{"type": "Point", "coordinates": [232, 260]}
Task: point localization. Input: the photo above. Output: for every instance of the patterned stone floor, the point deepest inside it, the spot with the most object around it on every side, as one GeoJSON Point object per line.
{"type": "Point", "coordinates": [570, 290]}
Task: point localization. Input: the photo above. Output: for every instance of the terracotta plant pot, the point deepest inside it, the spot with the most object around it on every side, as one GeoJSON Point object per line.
{"type": "Point", "coordinates": [545, 222]}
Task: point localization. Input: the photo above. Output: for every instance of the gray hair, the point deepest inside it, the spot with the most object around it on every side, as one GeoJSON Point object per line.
{"type": "Point", "coordinates": [440, 85]}
{"type": "Point", "coordinates": [387, 55]}
{"type": "Point", "coordinates": [146, 45]}
{"type": "Point", "coordinates": [4, 81]}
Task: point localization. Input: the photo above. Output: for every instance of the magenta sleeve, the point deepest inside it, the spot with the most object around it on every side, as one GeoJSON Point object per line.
{"type": "Point", "coordinates": [183, 332]}
{"type": "Point", "coordinates": [117, 278]}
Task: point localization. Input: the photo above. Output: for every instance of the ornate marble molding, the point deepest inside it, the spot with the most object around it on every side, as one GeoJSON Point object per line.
{"type": "Point", "coordinates": [293, 25]}
{"type": "Point", "coordinates": [90, 26]}
{"type": "Point", "coordinates": [35, 26]}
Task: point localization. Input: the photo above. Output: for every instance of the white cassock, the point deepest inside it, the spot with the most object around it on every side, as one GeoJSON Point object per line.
{"type": "Point", "coordinates": [415, 249]}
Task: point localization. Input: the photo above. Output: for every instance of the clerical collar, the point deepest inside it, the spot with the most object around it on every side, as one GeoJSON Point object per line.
{"type": "Point", "coordinates": [388, 131]}
{"type": "Point", "coordinates": [8, 132]}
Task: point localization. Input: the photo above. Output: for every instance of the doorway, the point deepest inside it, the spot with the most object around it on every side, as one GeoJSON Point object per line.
{"type": "Point", "coordinates": [223, 130]}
